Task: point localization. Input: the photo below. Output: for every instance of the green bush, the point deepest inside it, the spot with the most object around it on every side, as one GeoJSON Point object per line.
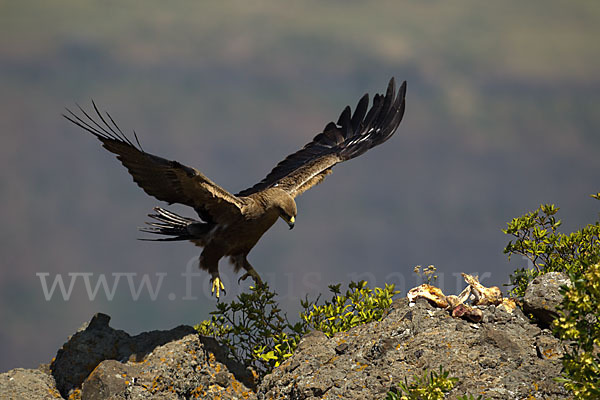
{"type": "Point", "coordinates": [251, 323]}
{"type": "Point", "coordinates": [359, 305]}
{"type": "Point", "coordinates": [578, 255]}
{"type": "Point", "coordinates": [537, 238]}
{"type": "Point", "coordinates": [429, 386]}
{"type": "Point", "coordinates": [579, 323]}
{"type": "Point", "coordinates": [259, 335]}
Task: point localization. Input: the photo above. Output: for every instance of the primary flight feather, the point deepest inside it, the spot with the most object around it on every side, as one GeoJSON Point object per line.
{"type": "Point", "coordinates": [230, 225]}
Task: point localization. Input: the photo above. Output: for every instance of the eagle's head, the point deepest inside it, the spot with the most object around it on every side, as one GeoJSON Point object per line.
{"type": "Point", "coordinates": [285, 205]}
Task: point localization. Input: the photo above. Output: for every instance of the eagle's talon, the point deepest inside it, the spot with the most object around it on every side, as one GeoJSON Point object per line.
{"type": "Point", "coordinates": [251, 273]}
{"type": "Point", "coordinates": [217, 284]}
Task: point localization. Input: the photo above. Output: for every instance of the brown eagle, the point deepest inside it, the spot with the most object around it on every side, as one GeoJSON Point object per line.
{"type": "Point", "coordinates": [231, 224]}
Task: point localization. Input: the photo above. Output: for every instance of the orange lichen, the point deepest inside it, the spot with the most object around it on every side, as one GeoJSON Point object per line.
{"type": "Point", "coordinates": [361, 366]}
{"type": "Point", "coordinates": [332, 360]}
{"type": "Point", "coordinates": [54, 393]}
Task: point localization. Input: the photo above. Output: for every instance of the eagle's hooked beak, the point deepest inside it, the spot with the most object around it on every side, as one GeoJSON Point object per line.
{"type": "Point", "coordinates": [291, 222]}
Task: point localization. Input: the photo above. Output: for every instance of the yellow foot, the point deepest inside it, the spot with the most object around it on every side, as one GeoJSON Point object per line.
{"type": "Point", "coordinates": [217, 285]}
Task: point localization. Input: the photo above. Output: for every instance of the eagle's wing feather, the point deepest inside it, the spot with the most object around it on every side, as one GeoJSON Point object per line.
{"type": "Point", "coordinates": [351, 136]}
{"type": "Point", "coordinates": [164, 179]}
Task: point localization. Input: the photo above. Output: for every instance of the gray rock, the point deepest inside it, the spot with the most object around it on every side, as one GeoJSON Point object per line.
{"type": "Point", "coordinates": [505, 357]}
{"type": "Point", "coordinates": [99, 362]}
{"type": "Point", "coordinates": [95, 342]}
{"type": "Point", "coordinates": [180, 369]}
{"type": "Point", "coordinates": [542, 296]}
{"type": "Point", "coordinates": [27, 384]}
{"type": "Point", "coordinates": [109, 379]}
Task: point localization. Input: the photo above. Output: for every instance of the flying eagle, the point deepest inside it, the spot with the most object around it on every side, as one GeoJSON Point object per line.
{"type": "Point", "coordinates": [230, 225]}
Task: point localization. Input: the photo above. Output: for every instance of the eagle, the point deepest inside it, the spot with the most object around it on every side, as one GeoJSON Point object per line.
{"type": "Point", "coordinates": [230, 225]}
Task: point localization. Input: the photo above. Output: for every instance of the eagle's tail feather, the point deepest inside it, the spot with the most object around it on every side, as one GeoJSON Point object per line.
{"type": "Point", "coordinates": [171, 224]}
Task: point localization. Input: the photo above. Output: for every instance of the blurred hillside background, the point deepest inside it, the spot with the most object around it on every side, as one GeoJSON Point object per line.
{"type": "Point", "coordinates": [502, 115]}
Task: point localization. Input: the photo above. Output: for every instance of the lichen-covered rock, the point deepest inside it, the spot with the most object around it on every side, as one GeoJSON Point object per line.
{"type": "Point", "coordinates": [502, 357]}
{"type": "Point", "coordinates": [99, 362]}
{"type": "Point", "coordinates": [109, 378]}
{"type": "Point", "coordinates": [542, 296]}
{"type": "Point", "coordinates": [27, 384]}
{"type": "Point", "coordinates": [95, 342]}
{"type": "Point", "coordinates": [180, 369]}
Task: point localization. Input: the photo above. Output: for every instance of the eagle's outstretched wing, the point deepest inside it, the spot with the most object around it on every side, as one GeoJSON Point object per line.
{"type": "Point", "coordinates": [350, 137]}
{"type": "Point", "coordinates": [166, 180]}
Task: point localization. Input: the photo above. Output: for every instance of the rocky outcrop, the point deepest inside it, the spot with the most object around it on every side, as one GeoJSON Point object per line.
{"type": "Point", "coordinates": [99, 362]}
{"type": "Point", "coordinates": [182, 369]}
{"type": "Point", "coordinates": [500, 356]}
{"type": "Point", "coordinates": [542, 296]}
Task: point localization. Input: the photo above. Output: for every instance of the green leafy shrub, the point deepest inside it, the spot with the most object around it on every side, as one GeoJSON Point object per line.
{"type": "Point", "coordinates": [579, 323]}
{"type": "Point", "coordinates": [259, 335]}
{"type": "Point", "coordinates": [578, 255]}
{"type": "Point", "coordinates": [429, 386]}
{"type": "Point", "coordinates": [537, 238]}
{"type": "Point", "coordinates": [212, 328]}
{"type": "Point", "coordinates": [359, 305]}
{"type": "Point", "coordinates": [253, 322]}
{"type": "Point", "coordinates": [278, 350]}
